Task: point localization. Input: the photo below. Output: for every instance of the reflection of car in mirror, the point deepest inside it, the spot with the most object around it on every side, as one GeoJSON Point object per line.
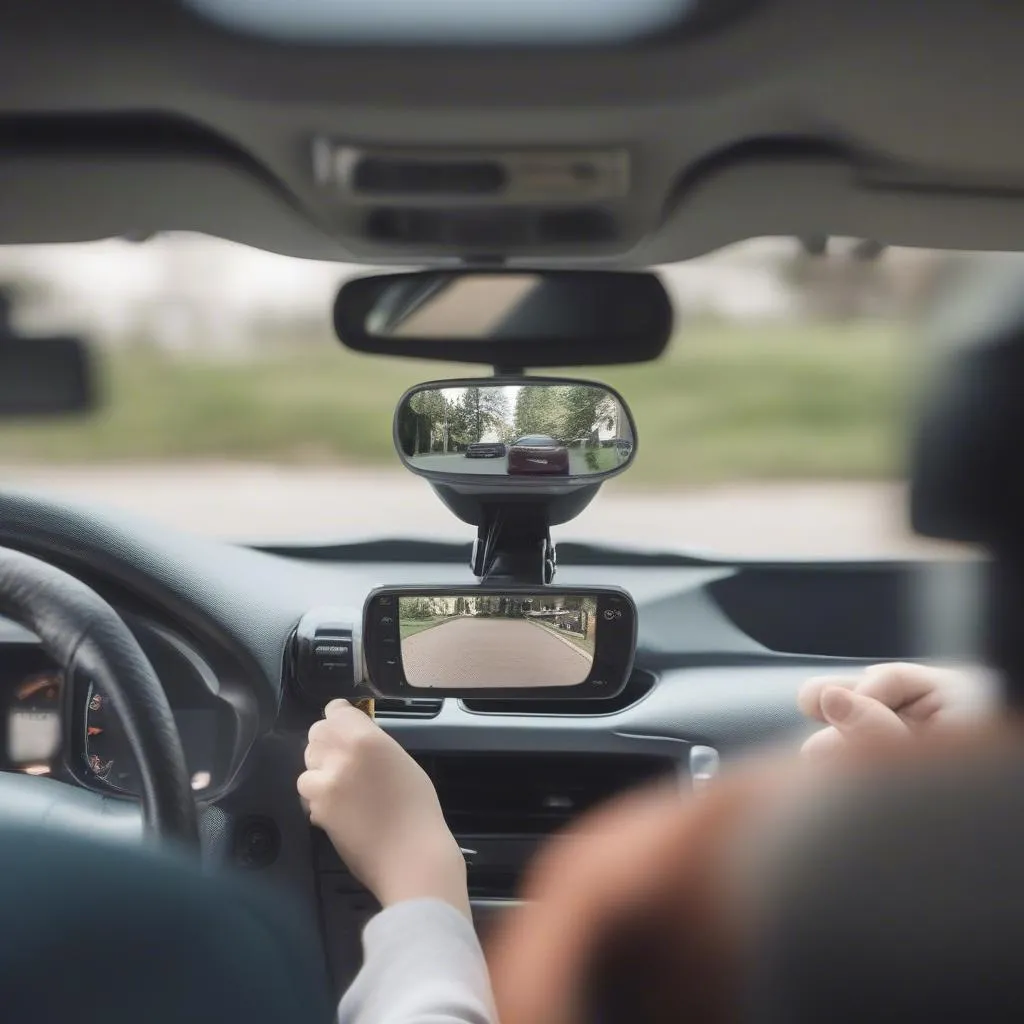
{"type": "Point", "coordinates": [523, 429]}
{"type": "Point", "coordinates": [486, 450]}
{"type": "Point", "coordinates": [538, 453]}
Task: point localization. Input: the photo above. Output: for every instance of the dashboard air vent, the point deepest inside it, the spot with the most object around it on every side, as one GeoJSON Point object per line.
{"type": "Point", "coordinates": [395, 707]}
{"type": "Point", "coordinates": [531, 793]}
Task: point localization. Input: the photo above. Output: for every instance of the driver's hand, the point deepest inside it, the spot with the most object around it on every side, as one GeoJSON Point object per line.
{"type": "Point", "coordinates": [885, 704]}
{"type": "Point", "coordinates": [380, 811]}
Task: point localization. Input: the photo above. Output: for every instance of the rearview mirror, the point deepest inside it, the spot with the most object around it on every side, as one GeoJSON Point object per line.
{"type": "Point", "coordinates": [514, 432]}
{"type": "Point", "coordinates": [44, 377]}
{"type": "Point", "coordinates": [508, 319]}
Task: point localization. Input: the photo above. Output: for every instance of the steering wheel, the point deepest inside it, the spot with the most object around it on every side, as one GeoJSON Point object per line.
{"type": "Point", "coordinates": [81, 632]}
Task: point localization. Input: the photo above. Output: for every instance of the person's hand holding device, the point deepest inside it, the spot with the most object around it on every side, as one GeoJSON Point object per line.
{"type": "Point", "coordinates": [380, 811]}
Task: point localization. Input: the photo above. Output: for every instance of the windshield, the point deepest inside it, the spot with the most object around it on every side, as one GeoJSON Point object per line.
{"type": "Point", "coordinates": [773, 426]}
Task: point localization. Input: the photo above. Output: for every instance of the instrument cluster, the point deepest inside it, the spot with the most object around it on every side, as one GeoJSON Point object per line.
{"type": "Point", "coordinates": [69, 729]}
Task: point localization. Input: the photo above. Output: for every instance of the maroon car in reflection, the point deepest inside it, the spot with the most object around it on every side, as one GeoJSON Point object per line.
{"type": "Point", "coordinates": [538, 453]}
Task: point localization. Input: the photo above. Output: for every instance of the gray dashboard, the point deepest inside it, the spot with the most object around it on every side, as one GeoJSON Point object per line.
{"type": "Point", "coordinates": [722, 650]}
{"type": "Point", "coordinates": [728, 643]}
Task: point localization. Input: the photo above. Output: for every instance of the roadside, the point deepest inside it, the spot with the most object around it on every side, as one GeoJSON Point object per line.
{"type": "Point", "coordinates": [583, 647]}
{"type": "Point", "coordinates": [257, 503]}
{"type": "Point", "coordinates": [407, 628]}
{"type": "Point", "coordinates": [783, 402]}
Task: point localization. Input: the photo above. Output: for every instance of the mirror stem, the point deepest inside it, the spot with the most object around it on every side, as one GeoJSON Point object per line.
{"type": "Point", "coordinates": [513, 550]}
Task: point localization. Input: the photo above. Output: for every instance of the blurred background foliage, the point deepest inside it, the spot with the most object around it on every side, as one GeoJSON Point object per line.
{"type": "Point", "coordinates": [810, 384]}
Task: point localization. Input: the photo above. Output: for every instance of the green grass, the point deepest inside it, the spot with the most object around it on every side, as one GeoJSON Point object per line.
{"type": "Point", "coordinates": [601, 459]}
{"type": "Point", "coordinates": [412, 627]}
{"type": "Point", "coordinates": [582, 642]}
{"type": "Point", "coordinates": [727, 402]}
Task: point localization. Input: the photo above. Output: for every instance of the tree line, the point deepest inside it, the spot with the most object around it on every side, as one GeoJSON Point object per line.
{"type": "Point", "coordinates": [510, 606]}
{"type": "Point", "coordinates": [439, 421]}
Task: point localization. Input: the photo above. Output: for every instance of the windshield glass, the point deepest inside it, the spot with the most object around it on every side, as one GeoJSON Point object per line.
{"type": "Point", "coordinates": [773, 426]}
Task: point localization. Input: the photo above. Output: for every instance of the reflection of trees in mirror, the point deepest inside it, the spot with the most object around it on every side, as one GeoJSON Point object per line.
{"type": "Point", "coordinates": [449, 420]}
{"type": "Point", "coordinates": [570, 413]}
{"type": "Point", "coordinates": [581, 416]}
{"type": "Point", "coordinates": [484, 410]}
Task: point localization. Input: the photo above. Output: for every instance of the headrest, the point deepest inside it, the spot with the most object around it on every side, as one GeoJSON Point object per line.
{"type": "Point", "coordinates": [898, 897]}
{"type": "Point", "coordinates": [967, 452]}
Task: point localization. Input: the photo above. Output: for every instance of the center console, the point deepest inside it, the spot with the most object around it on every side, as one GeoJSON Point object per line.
{"type": "Point", "coordinates": [500, 807]}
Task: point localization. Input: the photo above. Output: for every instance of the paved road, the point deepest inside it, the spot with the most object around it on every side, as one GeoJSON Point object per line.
{"type": "Point", "coordinates": [253, 502]}
{"type": "Point", "coordinates": [492, 652]}
{"type": "Point", "coordinates": [498, 467]}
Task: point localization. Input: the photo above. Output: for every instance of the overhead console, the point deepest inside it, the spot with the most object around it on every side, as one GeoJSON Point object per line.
{"type": "Point", "coordinates": [481, 200]}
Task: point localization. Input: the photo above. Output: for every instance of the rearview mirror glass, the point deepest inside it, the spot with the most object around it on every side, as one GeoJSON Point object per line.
{"type": "Point", "coordinates": [508, 318]}
{"type": "Point", "coordinates": [523, 430]}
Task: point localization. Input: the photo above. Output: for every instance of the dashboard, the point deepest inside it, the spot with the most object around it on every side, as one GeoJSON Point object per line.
{"type": "Point", "coordinates": [722, 650]}
{"type": "Point", "coordinates": [64, 728]}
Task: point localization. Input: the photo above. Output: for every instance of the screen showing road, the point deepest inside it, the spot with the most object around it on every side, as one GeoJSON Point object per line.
{"type": "Point", "coordinates": [499, 640]}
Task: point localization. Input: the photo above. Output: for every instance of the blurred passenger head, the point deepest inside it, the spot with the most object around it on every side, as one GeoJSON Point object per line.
{"type": "Point", "coordinates": [785, 895]}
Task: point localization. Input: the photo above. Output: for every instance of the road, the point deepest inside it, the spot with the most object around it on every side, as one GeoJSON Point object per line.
{"type": "Point", "coordinates": [263, 502]}
{"type": "Point", "coordinates": [492, 652]}
{"type": "Point", "coordinates": [458, 463]}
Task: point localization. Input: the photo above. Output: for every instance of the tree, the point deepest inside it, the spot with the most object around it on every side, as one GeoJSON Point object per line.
{"type": "Point", "coordinates": [538, 411]}
{"type": "Point", "coordinates": [444, 417]}
{"type": "Point", "coordinates": [484, 409]}
{"type": "Point", "coordinates": [414, 609]}
{"type": "Point", "coordinates": [586, 410]}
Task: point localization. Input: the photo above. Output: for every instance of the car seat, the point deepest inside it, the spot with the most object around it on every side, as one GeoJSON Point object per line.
{"type": "Point", "coordinates": [106, 932]}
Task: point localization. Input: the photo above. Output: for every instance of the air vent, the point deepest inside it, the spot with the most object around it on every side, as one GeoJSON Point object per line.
{"type": "Point", "coordinates": [490, 227]}
{"type": "Point", "coordinates": [395, 707]}
{"type": "Point", "coordinates": [531, 794]}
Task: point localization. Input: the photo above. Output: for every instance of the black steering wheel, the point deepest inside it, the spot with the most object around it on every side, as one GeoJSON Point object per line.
{"type": "Point", "coordinates": [81, 632]}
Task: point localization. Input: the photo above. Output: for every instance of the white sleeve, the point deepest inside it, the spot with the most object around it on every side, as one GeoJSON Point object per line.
{"type": "Point", "coordinates": [422, 964]}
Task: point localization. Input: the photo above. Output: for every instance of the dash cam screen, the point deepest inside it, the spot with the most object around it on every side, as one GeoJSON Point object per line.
{"type": "Point", "coordinates": [499, 640]}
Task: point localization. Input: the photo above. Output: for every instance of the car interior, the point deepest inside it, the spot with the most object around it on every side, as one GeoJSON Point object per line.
{"type": "Point", "coordinates": [160, 684]}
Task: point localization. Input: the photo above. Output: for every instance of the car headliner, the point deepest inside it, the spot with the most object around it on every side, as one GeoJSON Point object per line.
{"type": "Point", "coordinates": [897, 122]}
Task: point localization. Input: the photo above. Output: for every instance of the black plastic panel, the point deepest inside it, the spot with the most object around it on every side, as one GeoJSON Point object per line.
{"type": "Point", "coordinates": [640, 684]}
{"type": "Point", "coordinates": [843, 612]}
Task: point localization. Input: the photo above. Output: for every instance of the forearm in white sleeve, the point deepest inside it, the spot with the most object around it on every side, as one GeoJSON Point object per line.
{"type": "Point", "coordinates": [422, 964]}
